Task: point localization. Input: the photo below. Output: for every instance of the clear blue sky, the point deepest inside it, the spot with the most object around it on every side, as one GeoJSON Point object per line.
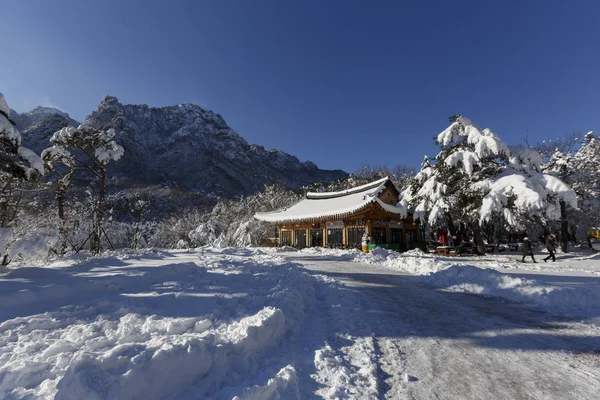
{"type": "Point", "coordinates": [340, 83]}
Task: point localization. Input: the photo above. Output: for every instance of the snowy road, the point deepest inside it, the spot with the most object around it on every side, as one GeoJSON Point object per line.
{"type": "Point", "coordinates": [390, 337]}
{"type": "Point", "coordinates": [258, 324]}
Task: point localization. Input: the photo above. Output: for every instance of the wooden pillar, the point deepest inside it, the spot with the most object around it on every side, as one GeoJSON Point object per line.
{"type": "Point", "coordinates": [279, 236]}
{"type": "Point", "coordinates": [388, 233]}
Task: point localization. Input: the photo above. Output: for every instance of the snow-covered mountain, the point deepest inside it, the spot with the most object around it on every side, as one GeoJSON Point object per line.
{"type": "Point", "coordinates": [39, 114]}
{"type": "Point", "coordinates": [36, 126]}
{"type": "Point", "coordinates": [182, 145]}
{"type": "Point", "coordinates": [188, 146]}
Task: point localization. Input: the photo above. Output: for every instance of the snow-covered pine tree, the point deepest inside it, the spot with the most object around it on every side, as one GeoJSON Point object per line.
{"type": "Point", "coordinates": [17, 165]}
{"type": "Point", "coordinates": [91, 149]}
{"type": "Point", "coordinates": [576, 162]}
{"type": "Point", "coordinates": [475, 177]}
{"type": "Point", "coordinates": [16, 162]}
{"type": "Point", "coordinates": [558, 164]}
{"type": "Point", "coordinates": [449, 187]}
{"type": "Point", "coordinates": [60, 165]}
{"type": "Point", "coordinates": [586, 180]}
{"type": "Point", "coordinates": [556, 158]}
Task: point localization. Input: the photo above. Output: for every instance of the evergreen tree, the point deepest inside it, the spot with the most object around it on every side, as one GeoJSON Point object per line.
{"type": "Point", "coordinates": [476, 177]}
{"type": "Point", "coordinates": [577, 162]}
{"type": "Point", "coordinates": [586, 180]}
{"type": "Point", "coordinates": [91, 150]}
{"type": "Point", "coordinates": [60, 167]}
{"type": "Point", "coordinates": [17, 165]}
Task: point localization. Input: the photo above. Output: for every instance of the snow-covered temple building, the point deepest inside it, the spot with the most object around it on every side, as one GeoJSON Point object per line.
{"type": "Point", "coordinates": [339, 219]}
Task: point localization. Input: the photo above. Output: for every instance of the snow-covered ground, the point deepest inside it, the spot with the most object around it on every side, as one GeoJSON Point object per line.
{"type": "Point", "coordinates": [571, 285]}
{"type": "Point", "coordinates": [271, 324]}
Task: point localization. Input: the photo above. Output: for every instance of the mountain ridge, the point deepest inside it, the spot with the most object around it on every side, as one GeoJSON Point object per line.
{"type": "Point", "coordinates": [181, 145]}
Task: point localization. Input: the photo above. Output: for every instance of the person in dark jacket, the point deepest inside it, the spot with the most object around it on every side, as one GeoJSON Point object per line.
{"type": "Point", "coordinates": [527, 249]}
{"type": "Point", "coordinates": [551, 246]}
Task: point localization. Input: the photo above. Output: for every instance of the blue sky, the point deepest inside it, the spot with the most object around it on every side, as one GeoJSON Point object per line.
{"type": "Point", "coordinates": [340, 83]}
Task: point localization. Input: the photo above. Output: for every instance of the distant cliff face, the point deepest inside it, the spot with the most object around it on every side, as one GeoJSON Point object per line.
{"type": "Point", "coordinates": [184, 146]}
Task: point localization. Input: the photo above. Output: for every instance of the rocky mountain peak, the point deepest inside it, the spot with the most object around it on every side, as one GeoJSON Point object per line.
{"type": "Point", "coordinates": [38, 125]}
{"type": "Point", "coordinates": [188, 146]}
{"type": "Point", "coordinates": [183, 146]}
{"type": "Point", "coordinates": [41, 112]}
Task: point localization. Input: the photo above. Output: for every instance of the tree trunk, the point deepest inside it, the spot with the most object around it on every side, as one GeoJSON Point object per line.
{"type": "Point", "coordinates": [96, 237]}
{"type": "Point", "coordinates": [451, 227]}
{"type": "Point", "coordinates": [572, 234]}
{"type": "Point", "coordinates": [564, 227]}
{"type": "Point", "coordinates": [62, 230]}
{"type": "Point", "coordinates": [477, 238]}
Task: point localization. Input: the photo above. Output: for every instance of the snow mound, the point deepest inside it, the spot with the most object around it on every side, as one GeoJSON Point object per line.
{"type": "Point", "coordinates": [282, 249]}
{"type": "Point", "coordinates": [488, 282]}
{"type": "Point", "coordinates": [283, 386]}
{"type": "Point", "coordinates": [414, 252]}
{"type": "Point", "coordinates": [349, 372]}
{"type": "Point", "coordinates": [169, 325]}
{"type": "Point", "coordinates": [149, 358]}
{"type": "Point", "coordinates": [413, 262]}
{"type": "Point", "coordinates": [333, 253]}
{"type": "Point", "coordinates": [241, 251]}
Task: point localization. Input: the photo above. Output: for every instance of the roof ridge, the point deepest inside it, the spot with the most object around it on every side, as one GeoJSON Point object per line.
{"type": "Point", "coordinates": [327, 195]}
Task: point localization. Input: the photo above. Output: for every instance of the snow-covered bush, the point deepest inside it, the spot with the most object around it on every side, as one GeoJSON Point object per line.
{"type": "Point", "coordinates": [34, 248]}
{"type": "Point", "coordinates": [231, 221]}
{"type": "Point", "coordinates": [205, 233]}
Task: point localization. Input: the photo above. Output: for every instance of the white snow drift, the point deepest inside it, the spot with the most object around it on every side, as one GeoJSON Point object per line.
{"type": "Point", "coordinates": [139, 330]}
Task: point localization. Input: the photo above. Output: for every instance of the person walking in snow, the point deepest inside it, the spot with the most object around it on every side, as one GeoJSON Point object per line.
{"type": "Point", "coordinates": [551, 246]}
{"type": "Point", "coordinates": [527, 249]}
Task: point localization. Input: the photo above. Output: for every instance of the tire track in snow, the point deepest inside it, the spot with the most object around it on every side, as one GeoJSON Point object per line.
{"type": "Point", "coordinates": [460, 346]}
{"type": "Point", "coordinates": [344, 364]}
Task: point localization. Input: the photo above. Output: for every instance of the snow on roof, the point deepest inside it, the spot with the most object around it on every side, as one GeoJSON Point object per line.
{"type": "Point", "coordinates": [380, 184]}
{"type": "Point", "coordinates": [333, 204]}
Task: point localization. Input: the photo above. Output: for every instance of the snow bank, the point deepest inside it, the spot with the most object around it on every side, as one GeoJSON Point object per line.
{"type": "Point", "coordinates": [414, 262]}
{"type": "Point", "coordinates": [463, 277]}
{"type": "Point", "coordinates": [283, 386]}
{"type": "Point", "coordinates": [339, 254]}
{"type": "Point", "coordinates": [153, 358]}
{"type": "Point", "coordinates": [282, 249]}
{"type": "Point", "coordinates": [580, 302]}
{"type": "Point", "coordinates": [159, 325]}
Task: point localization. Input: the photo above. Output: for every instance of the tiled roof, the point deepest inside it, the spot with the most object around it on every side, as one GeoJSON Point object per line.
{"type": "Point", "coordinates": [336, 205]}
